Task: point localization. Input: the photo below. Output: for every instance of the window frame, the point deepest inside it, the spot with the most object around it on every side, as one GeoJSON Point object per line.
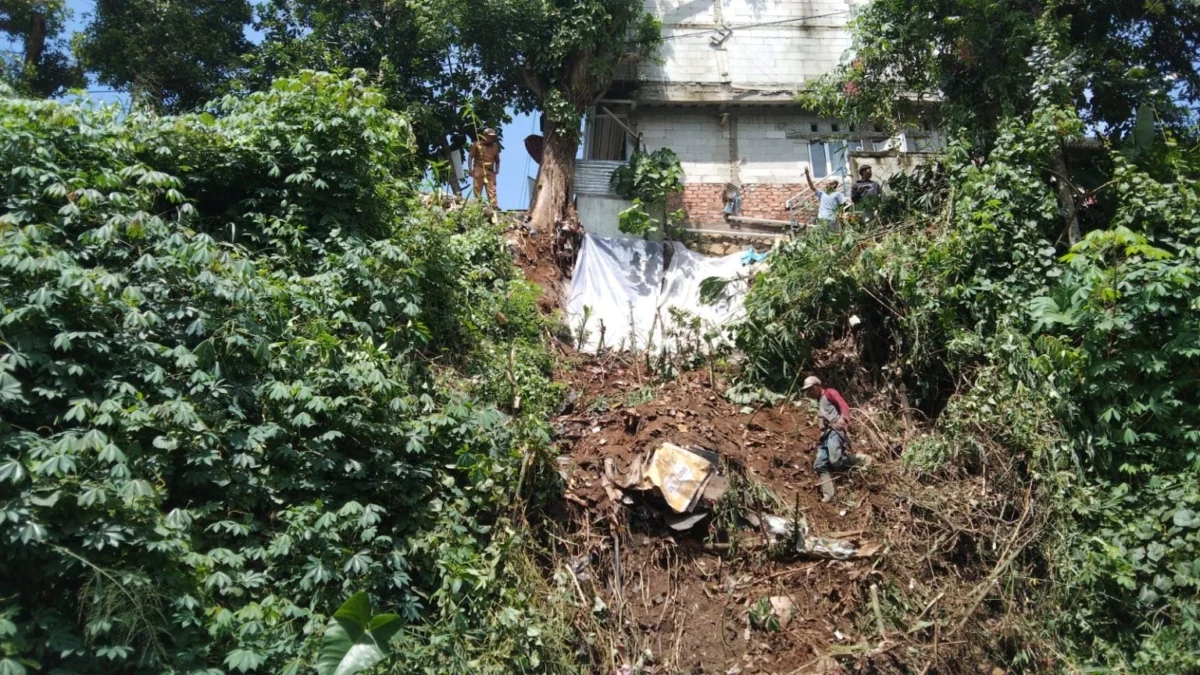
{"type": "Point", "coordinates": [831, 148]}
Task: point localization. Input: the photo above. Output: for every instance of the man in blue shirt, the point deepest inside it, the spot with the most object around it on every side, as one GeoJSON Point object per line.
{"type": "Point", "coordinates": [832, 200]}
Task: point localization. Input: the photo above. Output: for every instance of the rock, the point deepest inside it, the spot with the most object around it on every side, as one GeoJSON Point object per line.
{"type": "Point", "coordinates": [784, 610]}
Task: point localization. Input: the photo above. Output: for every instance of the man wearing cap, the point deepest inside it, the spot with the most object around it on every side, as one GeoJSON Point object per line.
{"type": "Point", "coordinates": [484, 162]}
{"type": "Point", "coordinates": [864, 188]}
{"type": "Point", "coordinates": [865, 193]}
{"type": "Point", "coordinates": [833, 453]}
{"type": "Point", "coordinates": [830, 200]}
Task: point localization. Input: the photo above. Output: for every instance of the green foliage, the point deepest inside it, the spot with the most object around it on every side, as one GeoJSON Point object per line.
{"type": "Point", "coordinates": [241, 376]}
{"type": "Point", "coordinates": [410, 47]}
{"type": "Point", "coordinates": [973, 55]}
{"type": "Point", "coordinates": [558, 56]}
{"type": "Point", "coordinates": [1122, 334]}
{"type": "Point", "coordinates": [762, 616]}
{"type": "Point", "coordinates": [1076, 367]}
{"type": "Point", "coordinates": [635, 221]}
{"type": "Point", "coordinates": [172, 55]}
{"type": "Point", "coordinates": [43, 66]}
{"type": "Point", "coordinates": [807, 292]}
{"type": "Point", "coordinates": [651, 177]}
{"type": "Point", "coordinates": [355, 639]}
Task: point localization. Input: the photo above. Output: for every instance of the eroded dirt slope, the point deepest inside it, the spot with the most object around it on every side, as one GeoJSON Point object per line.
{"type": "Point", "coordinates": [653, 600]}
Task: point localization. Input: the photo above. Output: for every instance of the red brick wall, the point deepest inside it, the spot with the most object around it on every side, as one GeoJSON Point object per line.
{"type": "Point", "coordinates": [702, 202]}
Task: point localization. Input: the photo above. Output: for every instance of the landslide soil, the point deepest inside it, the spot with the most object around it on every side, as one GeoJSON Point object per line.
{"type": "Point", "coordinates": [680, 602]}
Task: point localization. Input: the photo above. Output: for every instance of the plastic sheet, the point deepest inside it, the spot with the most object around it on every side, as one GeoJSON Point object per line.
{"type": "Point", "coordinates": [620, 293]}
{"type": "Point", "coordinates": [687, 271]}
{"type": "Point", "coordinates": [614, 292]}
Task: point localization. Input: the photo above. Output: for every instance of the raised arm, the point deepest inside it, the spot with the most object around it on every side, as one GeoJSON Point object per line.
{"type": "Point", "coordinates": [808, 177]}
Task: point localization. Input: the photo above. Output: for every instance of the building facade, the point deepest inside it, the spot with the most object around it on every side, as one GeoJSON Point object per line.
{"type": "Point", "coordinates": [722, 96]}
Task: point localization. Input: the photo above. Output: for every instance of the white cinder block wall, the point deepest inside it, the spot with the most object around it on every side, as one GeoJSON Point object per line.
{"type": "Point", "coordinates": [722, 97]}
{"type": "Point", "coordinates": [764, 153]}
{"type": "Point", "coordinates": [697, 137]}
{"type": "Point", "coordinates": [772, 42]}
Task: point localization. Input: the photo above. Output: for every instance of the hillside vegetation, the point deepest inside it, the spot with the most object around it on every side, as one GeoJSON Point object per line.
{"type": "Point", "coordinates": [242, 375]}
{"type": "Point", "coordinates": [248, 372]}
{"type": "Point", "coordinates": [1067, 375]}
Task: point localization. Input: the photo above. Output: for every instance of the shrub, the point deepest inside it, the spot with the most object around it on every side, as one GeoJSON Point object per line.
{"type": "Point", "coordinates": [234, 388]}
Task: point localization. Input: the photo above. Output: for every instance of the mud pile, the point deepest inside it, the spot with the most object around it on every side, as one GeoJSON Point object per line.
{"type": "Point", "coordinates": [717, 598]}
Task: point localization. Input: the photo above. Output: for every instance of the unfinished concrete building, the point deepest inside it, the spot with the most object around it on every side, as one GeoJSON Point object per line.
{"type": "Point", "coordinates": [723, 97]}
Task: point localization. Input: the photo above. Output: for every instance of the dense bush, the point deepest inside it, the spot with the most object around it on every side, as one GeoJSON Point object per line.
{"type": "Point", "coordinates": [1080, 365]}
{"type": "Point", "coordinates": [241, 377]}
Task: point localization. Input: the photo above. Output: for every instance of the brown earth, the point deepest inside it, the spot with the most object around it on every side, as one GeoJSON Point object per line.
{"type": "Point", "coordinates": [653, 600]}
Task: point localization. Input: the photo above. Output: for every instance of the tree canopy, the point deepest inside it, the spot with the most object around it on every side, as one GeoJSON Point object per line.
{"type": "Point", "coordinates": [409, 50]}
{"type": "Point", "coordinates": [174, 55]}
{"type": "Point", "coordinates": [558, 57]}
{"type": "Point", "coordinates": [973, 56]}
{"type": "Point", "coordinates": [44, 65]}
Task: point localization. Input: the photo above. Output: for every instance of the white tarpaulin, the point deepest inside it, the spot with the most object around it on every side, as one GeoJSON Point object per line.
{"type": "Point", "coordinates": [621, 295]}
{"type": "Point", "coordinates": [682, 290]}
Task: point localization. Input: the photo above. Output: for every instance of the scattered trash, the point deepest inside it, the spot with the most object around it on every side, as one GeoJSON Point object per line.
{"type": "Point", "coordinates": [784, 529]}
{"type": "Point", "coordinates": [751, 256]}
{"type": "Point", "coordinates": [685, 521]}
{"type": "Point", "coordinates": [579, 567]}
{"type": "Point", "coordinates": [717, 487]}
{"type": "Point", "coordinates": [680, 475]}
{"type": "Point", "coordinates": [685, 478]}
{"type": "Point", "coordinates": [569, 405]}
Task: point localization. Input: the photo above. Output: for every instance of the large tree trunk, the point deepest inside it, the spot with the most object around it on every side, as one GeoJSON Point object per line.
{"type": "Point", "coordinates": [556, 179]}
{"type": "Point", "coordinates": [35, 40]}
{"type": "Point", "coordinates": [1066, 199]}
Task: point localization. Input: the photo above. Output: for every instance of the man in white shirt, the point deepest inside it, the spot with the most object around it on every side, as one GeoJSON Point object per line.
{"type": "Point", "coordinates": [832, 200]}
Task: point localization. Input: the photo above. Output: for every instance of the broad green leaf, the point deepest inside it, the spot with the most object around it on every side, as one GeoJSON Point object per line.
{"type": "Point", "coordinates": [11, 470]}
{"type": "Point", "coordinates": [354, 640]}
{"type": "Point", "coordinates": [10, 388]}
{"type": "Point", "coordinates": [1186, 518]}
{"type": "Point", "coordinates": [244, 660]}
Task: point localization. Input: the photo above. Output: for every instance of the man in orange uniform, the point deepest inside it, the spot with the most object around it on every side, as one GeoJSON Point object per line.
{"type": "Point", "coordinates": [484, 162]}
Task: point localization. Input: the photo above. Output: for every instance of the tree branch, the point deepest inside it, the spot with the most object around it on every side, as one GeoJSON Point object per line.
{"type": "Point", "coordinates": [532, 83]}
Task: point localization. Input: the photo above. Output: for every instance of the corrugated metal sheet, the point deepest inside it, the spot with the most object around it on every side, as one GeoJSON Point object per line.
{"type": "Point", "coordinates": [593, 176]}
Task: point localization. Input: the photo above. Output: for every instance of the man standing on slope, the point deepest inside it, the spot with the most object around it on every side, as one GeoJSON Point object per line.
{"type": "Point", "coordinates": [484, 158]}
{"type": "Point", "coordinates": [833, 454]}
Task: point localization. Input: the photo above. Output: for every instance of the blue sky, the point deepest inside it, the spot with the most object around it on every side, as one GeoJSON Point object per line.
{"type": "Point", "coordinates": [515, 163]}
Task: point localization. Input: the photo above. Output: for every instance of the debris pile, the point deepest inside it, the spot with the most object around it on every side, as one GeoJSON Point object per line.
{"type": "Point", "coordinates": [693, 538]}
